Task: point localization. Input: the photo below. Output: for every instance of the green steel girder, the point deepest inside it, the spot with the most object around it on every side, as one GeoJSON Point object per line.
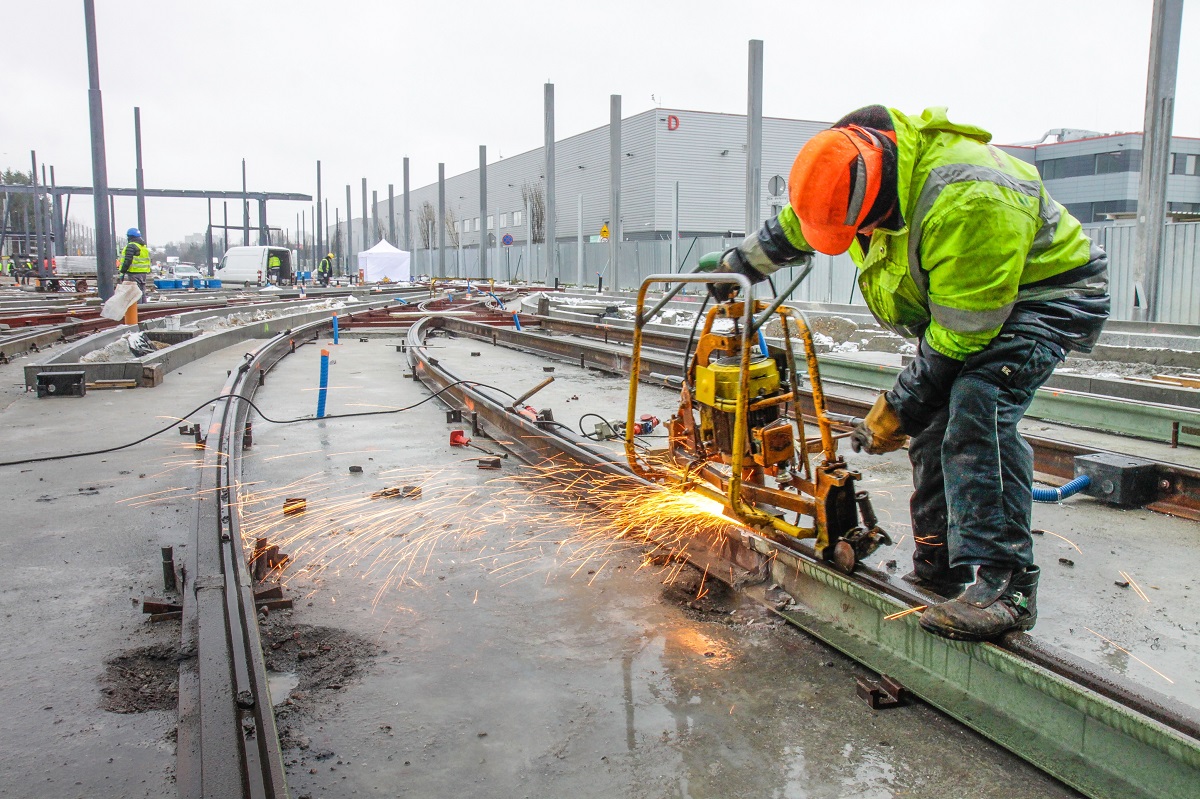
{"type": "Point", "coordinates": [1140, 419]}
{"type": "Point", "coordinates": [1096, 745]}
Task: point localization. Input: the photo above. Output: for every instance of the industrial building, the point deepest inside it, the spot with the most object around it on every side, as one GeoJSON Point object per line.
{"type": "Point", "coordinates": [704, 152]}
{"type": "Point", "coordinates": [1096, 175]}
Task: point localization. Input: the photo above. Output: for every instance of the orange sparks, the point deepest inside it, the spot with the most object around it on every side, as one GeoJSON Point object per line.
{"type": "Point", "coordinates": [1133, 584]}
{"type": "Point", "coordinates": [902, 613]}
{"type": "Point", "coordinates": [1115, 645]}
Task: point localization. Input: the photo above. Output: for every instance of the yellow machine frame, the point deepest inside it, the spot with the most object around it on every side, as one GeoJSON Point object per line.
{"type": "Point", "coordinates": [816, 487]}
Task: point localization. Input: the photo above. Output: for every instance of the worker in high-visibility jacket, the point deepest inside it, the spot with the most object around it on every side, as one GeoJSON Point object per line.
{"type": "Point", "coordinates": [325, 269]}
{"type": "Point", "coordinates": [958, 245]}
{"type": "Point", "coordinates": [273, 264]}
{"type": "Point", "coordinates": [135, 265]}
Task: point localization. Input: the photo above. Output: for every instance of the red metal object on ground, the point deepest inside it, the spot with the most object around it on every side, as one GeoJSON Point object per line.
{"type": "Point", "coordinates": [458, 438]}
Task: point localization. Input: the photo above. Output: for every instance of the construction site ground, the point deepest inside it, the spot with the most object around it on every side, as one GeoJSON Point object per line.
{"type": "Point", "coordinates": [474, 639]}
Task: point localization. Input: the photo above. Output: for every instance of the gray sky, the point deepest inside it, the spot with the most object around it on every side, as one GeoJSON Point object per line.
{"type": "Point", "coordinates": [361, 85]}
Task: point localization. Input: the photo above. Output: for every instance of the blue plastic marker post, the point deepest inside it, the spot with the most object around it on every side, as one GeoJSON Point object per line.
{"type": "Point", "coordinates": [762, 343]}
{"type": "Point", "coordinates": [335, 329]}
{"type": "Point", "coordinates": [516, 322]}
{"type": "Point", "coordinates": [324, 384]}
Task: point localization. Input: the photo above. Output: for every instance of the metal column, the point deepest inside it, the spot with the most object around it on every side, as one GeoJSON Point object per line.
{"type": "Point", "coordinates": [579, 246]}
{"type": "Point", "coordinates": [208, 243]}
{"type": "Point", "coordinates": [675, 229]}
{"type": "Point", "coordinates": [550, 225]}
{"type": "Point", "coordinates": [58, 219]}
{"type": "Point", "coordinates": [42, 271]}
{"type": "Point", "coordinates": [141, 183]}
{"type": "Point", "coordinates": [105, 255]}
{"type": "Point", "coordinates": [245, 209]}
{"type": "Point", "coordinates": [614, 188]}
{"type": "Point", "coordinates": [1156, 154]}
{"type": "Point", "coordinates": [391, 215]}
{"type": "Point", "coordinates": [346, 264]}
{"type": "Point", "coordinates": [366, 239]}
{"type": "Point", "coordinates": [483, 227]}
{"type": "Point", "coordinates": [441, 220]}
{"type": "Point", "coordinates": [407, 225]}
{"type": "Point", "coordinates": [754, 137]}
{"type": "Point", "coordinates": [320, 231]}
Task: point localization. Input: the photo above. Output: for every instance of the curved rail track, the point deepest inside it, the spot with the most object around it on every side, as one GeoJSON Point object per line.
{"type": "Point", "coordinates": [1091, 729]}
{"type": "Point", "coordinates": [1088, 727]}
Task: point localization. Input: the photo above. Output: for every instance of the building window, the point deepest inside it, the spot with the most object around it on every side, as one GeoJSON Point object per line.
{"type": "Point", "coordinates": [1076, 166]}
{"type": "Point", "coordinates": [489, 223]}
{"type": "Point", "coordinates": [1185, 164]}
{"type": "Point", "coordinates": [517, 220]}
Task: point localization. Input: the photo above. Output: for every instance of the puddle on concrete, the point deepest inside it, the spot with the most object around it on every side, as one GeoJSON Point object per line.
{"type": "Point", "coordinates": [281, 684]}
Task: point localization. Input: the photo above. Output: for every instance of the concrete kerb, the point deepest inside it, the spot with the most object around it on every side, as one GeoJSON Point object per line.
{"type": "Point", "coordinates": [149, 370]}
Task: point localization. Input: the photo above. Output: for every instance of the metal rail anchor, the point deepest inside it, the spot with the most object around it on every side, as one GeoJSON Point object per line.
{"type": "Point", "coordinates": [826, 493]}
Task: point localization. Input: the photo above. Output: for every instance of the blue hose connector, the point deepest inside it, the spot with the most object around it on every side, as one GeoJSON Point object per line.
{"type": "Point", "coordinates": [1062, 492]}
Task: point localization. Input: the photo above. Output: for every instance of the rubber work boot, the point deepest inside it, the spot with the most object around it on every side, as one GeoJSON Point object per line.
{"type": "Point", "coordinates": [998, 601]}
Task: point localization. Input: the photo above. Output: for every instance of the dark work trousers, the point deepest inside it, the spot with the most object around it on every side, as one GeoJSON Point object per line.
{"type": "Point", "coordinates": [972, 470]}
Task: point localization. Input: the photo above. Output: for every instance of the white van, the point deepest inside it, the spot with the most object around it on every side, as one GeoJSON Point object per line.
{"type": "Point", "coordinates": [248, 266]}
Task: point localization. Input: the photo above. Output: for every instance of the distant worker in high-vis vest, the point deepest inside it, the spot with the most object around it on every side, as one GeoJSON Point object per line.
{"type": "Point", "coordinates": [273, 264]}
{"type": "Point", "coordinates": [135, 265]}
{"type": "Point", "coordinates": [325, 269]}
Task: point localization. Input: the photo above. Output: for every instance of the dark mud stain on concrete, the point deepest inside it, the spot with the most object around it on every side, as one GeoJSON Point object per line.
{"type": "Point", "coordinates": [324, 659]}
{"type": "Point", "coordinates": [140, 680]}
{"type": "Point", "coordinates": [701, 597]}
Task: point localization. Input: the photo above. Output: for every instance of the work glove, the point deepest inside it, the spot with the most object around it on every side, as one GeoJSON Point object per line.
{"type": "Point", "coordinates": [732, 260]}
{"type": "Point", "coordinates": [879, 433]}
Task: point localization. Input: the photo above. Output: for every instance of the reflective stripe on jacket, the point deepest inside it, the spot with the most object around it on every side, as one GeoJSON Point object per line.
{"type": "Point", "coordinates": [980, 235]}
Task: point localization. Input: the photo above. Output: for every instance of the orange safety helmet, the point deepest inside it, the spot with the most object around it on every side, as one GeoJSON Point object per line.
{"type": "Point", "coordinates": [834, 183]}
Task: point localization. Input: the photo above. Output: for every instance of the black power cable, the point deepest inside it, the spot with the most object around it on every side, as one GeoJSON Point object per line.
{"type": "Point", "coordinates": [265, 418]}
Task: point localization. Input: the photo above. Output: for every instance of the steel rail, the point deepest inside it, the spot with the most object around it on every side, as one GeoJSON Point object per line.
{"type": "Point", "coordinates": [228, 745]}
{"type": "Point", "coordinates": [1092, 729]}
{"type": "Point", "coordinates": [1179, 485]}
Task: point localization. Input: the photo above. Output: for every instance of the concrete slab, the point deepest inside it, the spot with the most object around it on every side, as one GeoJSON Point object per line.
{"type": "Point", "coordinates": [77, 555]}
{"type": "Point", "coordinates": [510, 664]}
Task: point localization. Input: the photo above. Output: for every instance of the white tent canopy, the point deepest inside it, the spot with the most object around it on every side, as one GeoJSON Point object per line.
{"type": "Point", "coordinates": [384, 262]}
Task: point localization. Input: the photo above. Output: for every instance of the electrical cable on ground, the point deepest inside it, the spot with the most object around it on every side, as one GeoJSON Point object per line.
{"type": "Point", "coordinates": [250, 402]}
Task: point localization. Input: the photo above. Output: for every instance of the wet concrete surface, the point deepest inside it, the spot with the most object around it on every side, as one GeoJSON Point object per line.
{"type": "Point", "coordinates": [515, 660]}
{"type": "Point", "coordinates": [76, 558]}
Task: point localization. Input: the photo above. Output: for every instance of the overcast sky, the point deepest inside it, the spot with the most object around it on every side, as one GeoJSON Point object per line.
{"type": "Point", "coordinates": [360, 85]}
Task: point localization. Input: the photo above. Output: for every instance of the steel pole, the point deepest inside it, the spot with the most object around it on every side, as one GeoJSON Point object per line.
{"type": "Point", "coordinates": [347, 265]}
{"type": "Point", "coordinates": [1156, 153]}
{"type": "Point", "coordinates": [754, 137]}
{"type": "Point", "coordinates": [245, 209]}
{"type": "Point", "coordinates": [42, 271]}
{"type": "Point", "coordinates": [614, 188]}
{"type": "Point", "coordinates": [366, 239]}
{"type": "Point", "coordinates": [105, 255]}
{"type": "Point", "coordinates": [208, 241]}
{"type": "Point", "coordinates": [496, 216]}
{"type": "Point", "coordinates": [483, 198]}
{"type": "Point", "coordinates": [319, 229]}
{"type": "Point", "coordinates": [579, 245]}
{"type": "Point", "coordinates": [528, 244]}
{"type": "Point", "coordinates": [441, 220]}
{"type": "Point", "coordinates": [391, 215]}
{"type": "Point", "coordinates": [675, 265]}
{"type": "Point", "coordinates": [407, 226]}
{"type": "Point", "coordinates": [141, 183]}
{"type": "Point", "coordinates": [550, 225]}
{"type": "Point", "coordinates": [57, 218]}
